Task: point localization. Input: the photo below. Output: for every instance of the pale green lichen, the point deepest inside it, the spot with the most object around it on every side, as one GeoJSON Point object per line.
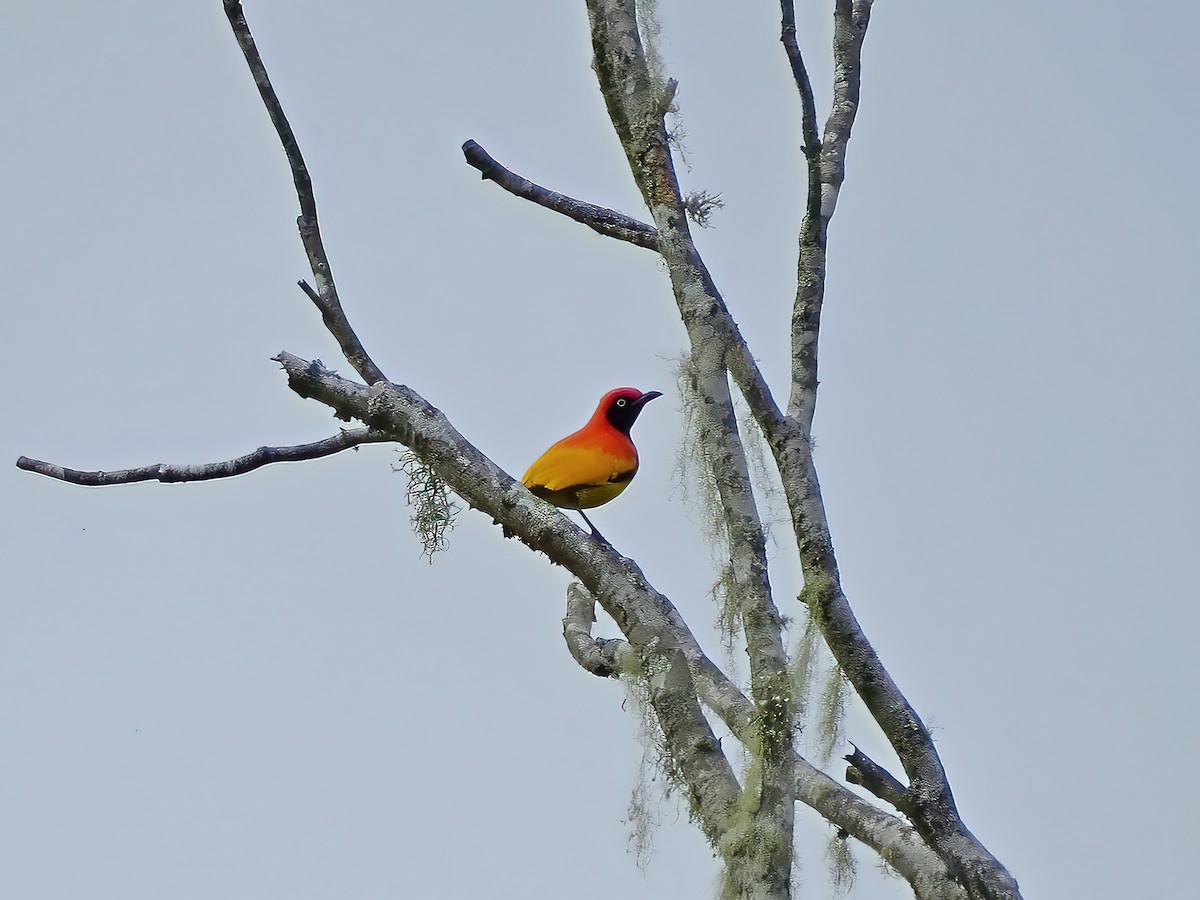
{"type": "Point", "coordinates": [696, 480]}
{"type": "Point", "coordinates": [817, 677]}
{"type": "Point", "coordinates": [756, 846]}
{"type": "Point", "coordinates": [695, 462]}
{"type": "Point", "coordinates": [843, 868]}
{"type": "Point", "coordinates": [832, 714]}
{"type": "Point", "coordinates": [753, 847]}
{"type": "Point", "coordinates": [650, 33]}
{"type": "Point", "coordinates": [701, 205]}
{"type": "Point", "coordinates": [775, 718]}
{"type": "Point", "coordinates": [658, 778]}
{"type": "Point", "coordinates": [804, 664]}
{"type": "Point", "coordinates": [429, 497]}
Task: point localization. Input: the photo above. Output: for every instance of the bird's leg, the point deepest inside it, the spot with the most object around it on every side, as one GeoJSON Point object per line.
{"type": "Point", "coordinates": [595, 531]}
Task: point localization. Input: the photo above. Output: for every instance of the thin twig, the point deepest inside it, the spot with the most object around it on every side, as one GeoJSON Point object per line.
{"type": "Point", "coordinates": [808, 121]}
{"type": "Point", "coordinates": [326, 296]}
{"type": "Point", "coordinates": [607, 222]}
{"type": "Point", "coordinates": [170, 473]}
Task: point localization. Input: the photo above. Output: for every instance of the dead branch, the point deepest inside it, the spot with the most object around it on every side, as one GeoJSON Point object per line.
{"type": "Point", "coordinates": [326, 296]}
{"type": "Point", "coordinates": [598, 218]}
{"type": "Point", "coordinates": [808, 121]}
{"type": "Point", "coordinates": [170, 474]}
{"type": "Point", "coordinates": [863, 770]}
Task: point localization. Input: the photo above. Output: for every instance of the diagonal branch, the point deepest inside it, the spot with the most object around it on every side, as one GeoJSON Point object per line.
{"type": "Point", "coordinates": [665, 647]}
{"type": "Point", "coordinates": [168, 473]}
{"type": "Point", "coordinates": [895, 841]}
{"type": "Point", "coordinates": [326, 296]}
{"type": "Point", "coordinates": [875, 778]}
{"type": "Point", "coordinates": [607, 222]}
{"type": "Point", "coordinates": [889, 836]}
{"type": "Point", "coordinates": [929, 802]}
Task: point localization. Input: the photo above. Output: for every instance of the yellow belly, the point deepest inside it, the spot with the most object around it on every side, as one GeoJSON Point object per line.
{"type": "Point", "coordinates": [583, 497]}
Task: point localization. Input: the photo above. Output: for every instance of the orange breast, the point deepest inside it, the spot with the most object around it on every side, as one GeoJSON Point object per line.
{"type": "Point", "coordinates": [586, 469]}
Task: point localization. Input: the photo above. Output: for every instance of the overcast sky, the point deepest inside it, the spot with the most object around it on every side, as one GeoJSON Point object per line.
{"type": "Point", "coordinates": [258, 688]}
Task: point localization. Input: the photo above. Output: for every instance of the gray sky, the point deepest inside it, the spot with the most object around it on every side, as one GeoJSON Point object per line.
{"type": "Point", "coordinates": [258, 688]}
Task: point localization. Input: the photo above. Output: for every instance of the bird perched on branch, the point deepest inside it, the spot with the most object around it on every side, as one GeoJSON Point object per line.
{"type": "Point", "coordinates": [596, 463]}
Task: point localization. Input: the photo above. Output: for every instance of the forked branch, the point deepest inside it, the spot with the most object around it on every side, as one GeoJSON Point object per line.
{"type": "Point", "coordinates": [657, 640]}
{"type": "Point", "coordinates": [326, 296]}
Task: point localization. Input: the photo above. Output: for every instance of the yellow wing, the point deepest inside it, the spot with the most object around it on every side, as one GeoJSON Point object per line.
{"type": "Point", "coordinates": [566, 466]}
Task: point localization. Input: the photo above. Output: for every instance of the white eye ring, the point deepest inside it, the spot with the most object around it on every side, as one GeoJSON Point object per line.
{"type": "Point", "coordinates": [621, 402]}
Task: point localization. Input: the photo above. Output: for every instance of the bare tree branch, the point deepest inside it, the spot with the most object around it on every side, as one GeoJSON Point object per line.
{"type": "Point", "coordinates": [825, 176]}
{"type": "Point", "coordinates": [808, 122]}
{"type": "Point", "coordinates": [890, 837]}
{"type": "Point", "coordinates": [636, 107]}
{"type": "Point", "coordinates": [326, 295]}
{"type": "Point", "coordinates": [896, 842]}
{"type": "Point", "coordinates": [664, 645]}
{"type": "Point", "coordinates": [598, 218]}
{"type": "Point", "coordinates": [715, 689]}
{"type": "Point", "coordinates": [630, 98]}
{"type": "Point", "coordinates": [604, 657]}
{"type": "Point", "coordinates": [168, 473]}
{"type": "Point", "coordinates": [636, 104]}
{"type": "Point", "coordinates": [930, 803]}
{"type": "Point", "coordinates": [658, 643]}
{"type": "Point", "coordinates": [875, 778]}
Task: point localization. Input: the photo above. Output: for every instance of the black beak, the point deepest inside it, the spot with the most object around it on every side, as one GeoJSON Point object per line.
{"type": "Point", "coordinates": [645, 398]}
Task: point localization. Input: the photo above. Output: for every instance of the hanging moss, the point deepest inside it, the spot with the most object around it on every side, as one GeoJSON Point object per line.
{"type": "Point", "coordinates": [753, 848]}
{"type": "Point", "coordinates": [433, 509]}
{"type": "Point", "coordinates": [832, 714]}
{"type": "Point", "coordinates": [843, 868]}
{"type": "Point", "coordinates": [817, 676]}
{"type": "Point", "coordinates": [659, 779]}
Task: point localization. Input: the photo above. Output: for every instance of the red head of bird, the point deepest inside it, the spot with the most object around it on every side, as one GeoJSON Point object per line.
{"type": "Point", "coordinates": [596, 463]}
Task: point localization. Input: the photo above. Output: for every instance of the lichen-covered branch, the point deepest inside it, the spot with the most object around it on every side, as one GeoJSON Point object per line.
{"type": "Point", "coordinates": [750, 825]}
{"type": "Point", "coordinates": [603, 657]}
{"type": "Point", "coordinates": [664, 645]}
{"type": "Point", "coordinates": [929, 801]}
{"type": "Point", "coordinates": [896, 842]}
{"type": "Point", "coordinates": [170, 473]}
{"type": "Point", "coordinates": [326, 296]}
{"type": "Point", "coordinates": [637, 101]}
{"type": "Point", "coordinates": [607, 222]}
{"type": "Point", "coordinates": [636, 105]}
{"type": "Point", "coordinates": [826, 172]}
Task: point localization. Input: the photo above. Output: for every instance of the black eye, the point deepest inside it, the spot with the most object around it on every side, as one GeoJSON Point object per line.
{"type": "Point", "coordinates": [621, 402]}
